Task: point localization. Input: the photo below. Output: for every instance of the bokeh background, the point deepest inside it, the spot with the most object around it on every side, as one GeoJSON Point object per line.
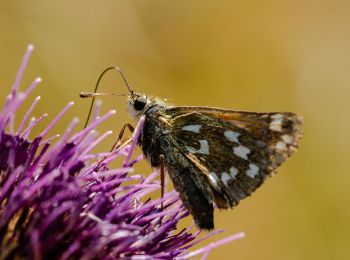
{"type": "Point", "coordinates": [246, 55]}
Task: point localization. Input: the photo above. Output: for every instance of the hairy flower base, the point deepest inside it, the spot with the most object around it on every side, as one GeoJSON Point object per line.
{"type": "Point", "coordinates": [60, 201]}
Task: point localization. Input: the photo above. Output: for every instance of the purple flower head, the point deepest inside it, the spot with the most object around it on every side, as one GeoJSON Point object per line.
{"type": "Point", "coordinates": [58, 200]}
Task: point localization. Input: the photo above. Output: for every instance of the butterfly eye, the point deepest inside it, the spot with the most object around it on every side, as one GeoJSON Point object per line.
{"type": "Point", "coordinates": [140, 103]}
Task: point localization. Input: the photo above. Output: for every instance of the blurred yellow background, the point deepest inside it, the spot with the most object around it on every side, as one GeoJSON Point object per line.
{"type": "Point", "coordinates": [244, 55]}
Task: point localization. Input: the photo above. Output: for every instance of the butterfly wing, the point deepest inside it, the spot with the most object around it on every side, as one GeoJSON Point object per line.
{"type": "Point", "coordinates": [232, 152]}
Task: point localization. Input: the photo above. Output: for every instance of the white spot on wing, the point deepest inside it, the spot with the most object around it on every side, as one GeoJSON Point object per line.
{"type": "Point", "coordinates": [225, 178]}
{"type": "Point", "coordinates": [277, 128]}
{"type": "Point", "coordinates": [287, 139]}
{"type": "Point", "coordinates": [276, 123]}
{"type": "Point", "coordinates": [253, 170]}
{"type": "Point", "coordinates": [233, 172]}
{"type": "Point", "coordinates": [277, 116]}
{"type": "Point", "coordinates": [281, 146]}
{"type": "Point", "coordinates": [232, 136]}
{"type": "Point", "coordinates": [241, 151]}
{"type": "Point", "coordinates": [192, 128]}
{"type": "Point", "coordinates": [203, 149]}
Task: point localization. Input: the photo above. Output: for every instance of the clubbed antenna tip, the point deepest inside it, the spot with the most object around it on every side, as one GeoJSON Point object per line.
{"type": "Point", "coordinates": [86, 94]}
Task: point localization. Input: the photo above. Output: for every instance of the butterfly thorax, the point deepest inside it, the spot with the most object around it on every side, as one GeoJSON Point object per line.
{"type": "Point", "coordinates": [156, 126]}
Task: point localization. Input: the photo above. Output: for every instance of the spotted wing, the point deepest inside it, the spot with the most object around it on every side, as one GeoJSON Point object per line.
{"type": "Point", "coordinates": [232, 152]}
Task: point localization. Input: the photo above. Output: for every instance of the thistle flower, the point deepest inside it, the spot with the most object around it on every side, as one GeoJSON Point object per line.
{"type": "Point", "coordinates": [61, 201]}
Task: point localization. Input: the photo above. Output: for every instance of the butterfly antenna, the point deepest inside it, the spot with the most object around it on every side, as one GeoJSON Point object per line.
{"type": "Point", "coordinates": [124, 78]}
{"type": "Point", "coordinates": [94, 94]}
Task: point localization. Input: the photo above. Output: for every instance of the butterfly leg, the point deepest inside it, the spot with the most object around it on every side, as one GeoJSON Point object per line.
{"type": "Point", "coordinates": [117, 144]}
{"type": "Point", "coordinates": [162, 178]}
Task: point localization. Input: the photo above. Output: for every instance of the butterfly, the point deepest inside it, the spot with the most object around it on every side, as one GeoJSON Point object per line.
{"type": "Point", "coordinates": [213, 156]}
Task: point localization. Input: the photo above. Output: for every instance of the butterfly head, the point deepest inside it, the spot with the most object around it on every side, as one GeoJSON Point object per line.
{"type": "Point", "coordinates": [138, 104]}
